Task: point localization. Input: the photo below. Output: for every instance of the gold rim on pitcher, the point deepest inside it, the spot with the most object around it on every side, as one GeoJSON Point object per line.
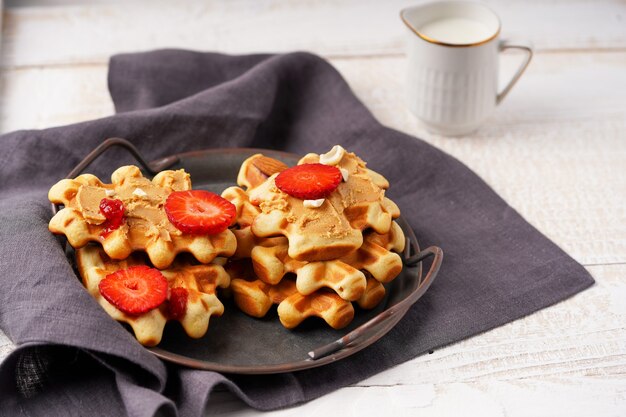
{"type": "Point", "coordinates": [453, 45]}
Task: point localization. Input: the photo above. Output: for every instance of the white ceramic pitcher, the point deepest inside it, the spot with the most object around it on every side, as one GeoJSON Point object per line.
{"type": "Point", "coordinates": [452, 87]}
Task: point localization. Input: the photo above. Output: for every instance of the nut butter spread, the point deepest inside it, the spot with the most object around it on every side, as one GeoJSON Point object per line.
{"type": "Point", "coordinates": [143, 200]}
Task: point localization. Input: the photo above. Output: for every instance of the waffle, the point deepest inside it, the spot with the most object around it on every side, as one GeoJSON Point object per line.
{"type": "Point", "coordinates": [255, 297]}
{"type": "Point", "coordinates": [146, 227]}
{"type": "Point", "coordinates": [363, 194]}
{"type": "Point", "coordinates": [271, 260]}
{"type": "Point", "coordinates": [346, 275]}
{"type": "Point", "coordinates": [373, 294]}
{"type": "Point", "coordinates": [199, 280]}
{"type": "Point", "coordinates": [258, 168]}
{"type": "Point", "coordinates": [335, 228]}
{"type": "Point", "coordinates": [300, 288]}
{"type": "Point", "coordinates": [246, 212]}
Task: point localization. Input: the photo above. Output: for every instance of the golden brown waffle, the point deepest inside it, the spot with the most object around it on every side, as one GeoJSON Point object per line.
{"type": "Point", "coordinates": [344, 275]}
{"type": "Point", "coordinates": [271, 260]}
{"type": "Point", "coordinates": [246, 212]}
{"type": "Point", "coordinates": [146, 227]}
{"type": "Point", "coordinates": [304, 287]}
{"type": "Point", "coordinates": [199, 280]}
{"type": "Point", "coordinates": [363, 194]}
{"type": "Point", "coordinates": [254, 297]}
{"type": "Point", "coordinates": [335, 228]}
{"type": "Point", "coordinates": [258, 168]}
{"type": "Point", "coordinates": [373, 294]}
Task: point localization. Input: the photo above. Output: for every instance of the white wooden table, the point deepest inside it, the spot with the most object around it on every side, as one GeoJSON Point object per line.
{"type": "Point", "coordinates": [555, 150]}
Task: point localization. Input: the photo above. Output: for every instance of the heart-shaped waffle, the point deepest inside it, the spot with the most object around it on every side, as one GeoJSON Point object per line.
{"type": "Point", "coordinates": [200, 282]}
{"type": "Point", "coordinates": [145, 227]}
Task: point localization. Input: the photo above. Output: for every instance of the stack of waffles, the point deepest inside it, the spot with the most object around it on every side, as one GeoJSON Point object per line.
{"type": "Point", "coordinates": [149, 251]}
{"type": "Point", "coordinates": [313, 239]}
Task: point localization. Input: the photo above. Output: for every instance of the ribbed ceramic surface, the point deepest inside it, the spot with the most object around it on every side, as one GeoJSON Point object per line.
{"type": "Point", "coordinates": [443, 97]}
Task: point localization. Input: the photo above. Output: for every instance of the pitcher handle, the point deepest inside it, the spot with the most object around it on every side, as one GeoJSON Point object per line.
{"type": "Point", "coordinates": [529, 55]}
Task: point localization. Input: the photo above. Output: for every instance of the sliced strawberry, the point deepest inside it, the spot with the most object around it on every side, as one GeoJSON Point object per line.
{"type": "Point", "coordinates": [178, 302]}
{"type": "Point", "coordinates": [309, 181]}
{"type": "Point", "coordinates": [134, 290]}
{"type": "Point", "coordinates": [199, 212]}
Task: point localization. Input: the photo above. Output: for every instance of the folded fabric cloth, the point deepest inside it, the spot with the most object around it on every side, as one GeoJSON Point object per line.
{"type": "Point", "coordinates": [72, 359]}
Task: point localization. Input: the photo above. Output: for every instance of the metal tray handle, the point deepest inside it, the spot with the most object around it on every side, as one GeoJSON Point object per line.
{"type": "Point", "coordinates": [151, 169]}
{"type": "Point", "coordinates": [367, 327]}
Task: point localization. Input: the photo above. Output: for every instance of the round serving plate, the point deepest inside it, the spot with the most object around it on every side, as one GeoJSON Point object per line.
{"type": "Point", "coordinates": [240, 344]}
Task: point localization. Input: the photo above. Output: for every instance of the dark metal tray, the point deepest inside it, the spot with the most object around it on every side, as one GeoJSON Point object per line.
{"type": "Point", "coordinates": [237, 343]}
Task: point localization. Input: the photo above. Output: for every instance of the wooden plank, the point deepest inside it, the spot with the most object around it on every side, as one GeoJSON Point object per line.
{"type": "Point", "coordinates": [584, 336]}
{"type": "Point", "coordinates": [45, 97]}
{"type": "Point", "coordinates": [90, 33]}
{"type": "Point", "coordinates": [54, 3]}
{"type": "Point", "coordinates": [562, 397]}
{"type": "Point", "coordinates": [486, 399]}
{"type": "Point", "coordinates": [554, 150]}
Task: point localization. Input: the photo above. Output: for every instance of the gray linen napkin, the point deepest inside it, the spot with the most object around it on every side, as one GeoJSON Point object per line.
{"type": "Point", "coordinates": [72, 359]}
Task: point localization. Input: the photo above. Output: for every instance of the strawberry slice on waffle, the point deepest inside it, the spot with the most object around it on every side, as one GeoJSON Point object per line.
{"type": "Point", "coordinates": [135, 290]}
{"type": "Point", "coordinates": [199, 212]}
{"type": "Point", "coordinates": [309, 181]}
